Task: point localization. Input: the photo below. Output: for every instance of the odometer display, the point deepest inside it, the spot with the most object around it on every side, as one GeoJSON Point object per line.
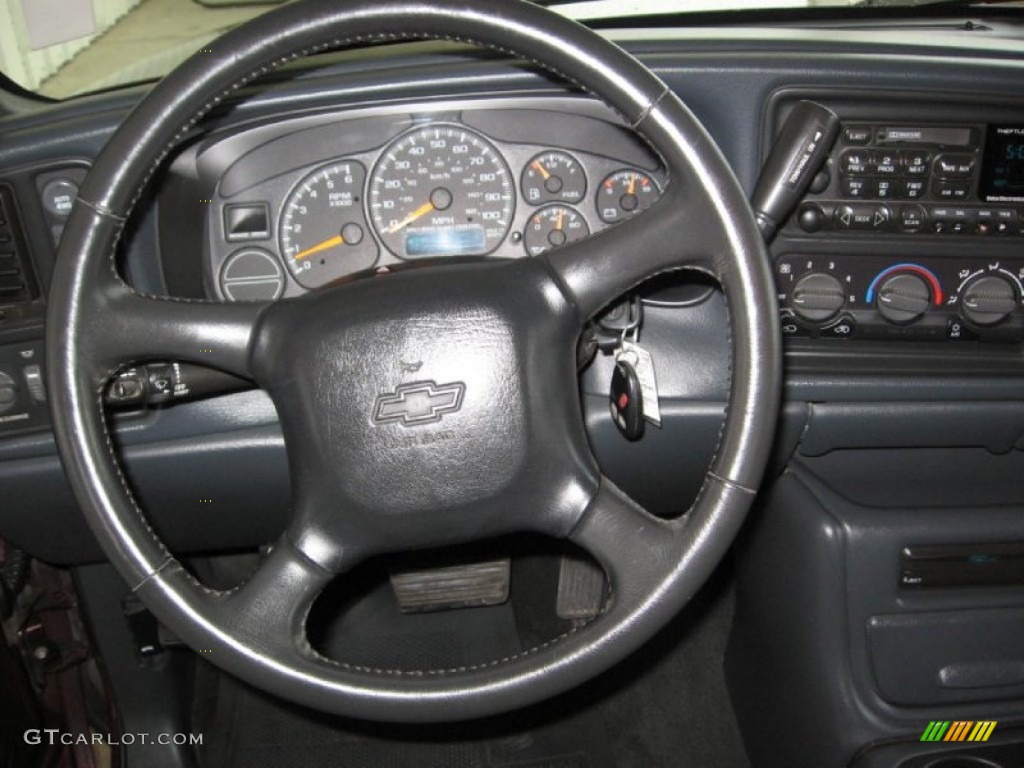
{"type": "Point", "coordinates": [441, 190]}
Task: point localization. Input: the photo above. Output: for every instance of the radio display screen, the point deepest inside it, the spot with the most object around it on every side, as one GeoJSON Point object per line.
{"type": "Point", "coordinates": [1002, 174]}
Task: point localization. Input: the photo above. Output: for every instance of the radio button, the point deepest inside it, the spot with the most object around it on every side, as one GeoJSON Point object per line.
{"type": "Point", "coordinates": [855, 187]}
{"type": "Point", "coordinates": [857, 134]}
{"type": "Point", "coordinates": [862, 217]}
{"type": "Point", "coordinates": [914, 190]}
{"type": "Point", "coordinates": [884, 163]}
{"type": "Point", "coordinates": [810, 218]}
{"type": "Point", "coordinates": [883, 189]}
{"type": "Point", "coordinates": [915, 162]}
{"type": "Point", "coordinates": [951, 190]}
{"type": "Point", "coordinates": [912, 218]}
{"type": "Point", "coordinates": [955, 166]}
{"type": "Point", "coordinates": [856, 162]}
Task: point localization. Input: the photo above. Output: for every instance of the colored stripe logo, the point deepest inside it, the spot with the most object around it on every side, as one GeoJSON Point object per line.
{"type": "Point", "coordinates": [958, 730]}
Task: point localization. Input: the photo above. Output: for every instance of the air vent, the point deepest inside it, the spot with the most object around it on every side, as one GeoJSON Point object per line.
{"type": "Point", "coordinates": [17, 280]}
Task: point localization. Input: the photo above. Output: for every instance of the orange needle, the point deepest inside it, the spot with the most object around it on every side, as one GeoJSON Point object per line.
{"type": "Point", "coordinates": [336, 240]}
{"type": "Point", "coordinates": [561, 217]}
{"type": "Point", "coordinates": [423, 210]}
{"type": "Point", "coordinates": [540, 169]}
{"type": "Point", "coordinates": [632, 183]}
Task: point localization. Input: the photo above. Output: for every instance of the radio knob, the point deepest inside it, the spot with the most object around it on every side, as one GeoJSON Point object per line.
{"type": "Point", "coordinates": [903, 298]}
{"type": "Point", "coordinates": [988, 300]}
{"type": "Point", "coordinates": [817, 297]}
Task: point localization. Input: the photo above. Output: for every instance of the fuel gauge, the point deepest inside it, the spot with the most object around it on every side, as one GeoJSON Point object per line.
{"type": "Point", "coordinates": [553, 226]}
{"type": "Point", "coordinates": [625, 193]}
{"type": "Point", "coordinates": [553, 177]}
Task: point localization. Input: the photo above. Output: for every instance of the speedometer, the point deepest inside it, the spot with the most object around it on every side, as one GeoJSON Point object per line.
{"type": "Point", "coordinates": [441, 190]}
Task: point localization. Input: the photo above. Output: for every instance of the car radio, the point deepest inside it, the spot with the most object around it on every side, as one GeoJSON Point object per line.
{"type": "Point", "coordinates": [934, 179]}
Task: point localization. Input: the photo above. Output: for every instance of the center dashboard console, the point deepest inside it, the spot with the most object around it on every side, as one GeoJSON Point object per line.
{"type": "Point", "coordinates": [914, 228]}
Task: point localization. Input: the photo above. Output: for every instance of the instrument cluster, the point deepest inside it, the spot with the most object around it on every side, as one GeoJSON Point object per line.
{"type": "Point", "coordinates": [436, 188]}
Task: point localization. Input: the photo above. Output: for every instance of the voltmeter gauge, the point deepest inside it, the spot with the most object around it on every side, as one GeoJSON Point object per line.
{"type": "Point", "coordinates": [553, 177]}
{"type": "Point", "coordinates": [625, 193]}
{"type": "Point", "coordinates": [323, 229]}
{"type": "Point", "coordinates": [553, 226]}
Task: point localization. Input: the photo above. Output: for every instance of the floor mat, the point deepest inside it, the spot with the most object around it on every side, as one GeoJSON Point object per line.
{"type": "Point", "coordinates": [666, 706]}
{"type": "Point", "coordinates": [252, 730]}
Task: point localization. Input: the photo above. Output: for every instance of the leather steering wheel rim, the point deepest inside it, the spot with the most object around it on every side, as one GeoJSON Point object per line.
{"type": "Point", "coordinates": [96, 323]}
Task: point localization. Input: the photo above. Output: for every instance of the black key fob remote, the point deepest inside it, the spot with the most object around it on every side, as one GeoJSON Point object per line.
{"type": "Point", "coordinates": [626, 401]}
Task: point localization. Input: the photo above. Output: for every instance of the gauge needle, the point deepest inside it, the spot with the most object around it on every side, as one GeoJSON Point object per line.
{"type": "Point", "coordinates": [423, 210]}
{"type": "Point", "coordinates": [561, 218]}
{"type": "Point", "coordinates": [632, 183]}
{"type": "Point", "coordinates": [541, 169]}
{"type": "Point", "coordinates": [336, 240]}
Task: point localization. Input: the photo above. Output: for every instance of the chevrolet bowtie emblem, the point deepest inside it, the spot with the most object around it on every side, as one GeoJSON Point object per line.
{"type": "Point", "coordinates": [420, 402]}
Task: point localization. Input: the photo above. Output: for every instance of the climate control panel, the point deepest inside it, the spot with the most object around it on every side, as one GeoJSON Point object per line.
{"type": "Point", "coordinates": [847, 297]}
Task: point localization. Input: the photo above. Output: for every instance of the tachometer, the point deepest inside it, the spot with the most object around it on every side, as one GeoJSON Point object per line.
{"type": "Point", "coordinates": [441, 190]}
{"type": "Point", "coordinates": [323, 230]}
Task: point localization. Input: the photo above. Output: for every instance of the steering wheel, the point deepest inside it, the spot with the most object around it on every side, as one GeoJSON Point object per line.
{"type": "Point", "coordinates": [497, 339]}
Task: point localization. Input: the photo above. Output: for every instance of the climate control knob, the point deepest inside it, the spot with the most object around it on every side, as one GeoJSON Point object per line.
{"type": "Point", "coordinates": [903, 298]}
{"type": "Point", "coordinates": [988, 300]}
{"type": "Point", "coordinates": [817, 297]}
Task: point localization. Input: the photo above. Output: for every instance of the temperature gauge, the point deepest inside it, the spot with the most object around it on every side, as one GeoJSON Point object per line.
{"type": "Point", "coordinates": [625, 193]}
{"type": "Point", "coordinates": [553, 177]}
{"type": "Point", "coordinates": [552, 226]}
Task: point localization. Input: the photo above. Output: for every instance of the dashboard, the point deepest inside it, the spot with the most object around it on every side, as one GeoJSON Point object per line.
{"type": "Point", "coordinates": [301, 203]}
{"type": "Point", "coordinates": [899, 282]}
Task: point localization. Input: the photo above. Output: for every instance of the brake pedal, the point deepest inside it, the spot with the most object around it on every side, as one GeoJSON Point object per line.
{"type": "Point", "coordinates": [457, 586]}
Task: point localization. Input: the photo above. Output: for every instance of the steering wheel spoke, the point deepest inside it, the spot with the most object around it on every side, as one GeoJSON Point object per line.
{"type": "Point", "coordinates": [631, 545]}
{"type": "Point", "coordinates": [271, 606]}
{"type": "Point", "coordinates": [133, 327]}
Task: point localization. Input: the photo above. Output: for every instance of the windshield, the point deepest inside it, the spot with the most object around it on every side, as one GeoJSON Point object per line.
{"type": "Point", "coordinates": [62, 48]}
